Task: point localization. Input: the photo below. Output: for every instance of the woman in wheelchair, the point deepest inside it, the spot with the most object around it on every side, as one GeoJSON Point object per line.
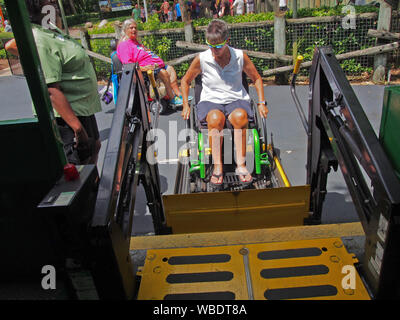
{"type": "Point", "coordinates": [223, 97]}
{"type": "Point", "coordinates": [130, 50]}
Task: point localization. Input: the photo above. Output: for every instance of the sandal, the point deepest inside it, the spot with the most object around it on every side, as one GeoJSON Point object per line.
{"type": "Point", "coordinates": [217, 176]}
{"type": "Point", "coordinates": [242, 176]}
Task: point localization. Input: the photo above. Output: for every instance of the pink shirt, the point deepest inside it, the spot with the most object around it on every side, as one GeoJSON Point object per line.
{"type": "Point", "coordinates": [166, 7]}
{"type": "Point", "coordinates": [130, 51]}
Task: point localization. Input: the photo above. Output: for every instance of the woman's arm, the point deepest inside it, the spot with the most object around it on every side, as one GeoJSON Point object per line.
{"type": "Point", "coordinates": [193, 71]}
{"type": "Point", "coordinates": [251, 71]}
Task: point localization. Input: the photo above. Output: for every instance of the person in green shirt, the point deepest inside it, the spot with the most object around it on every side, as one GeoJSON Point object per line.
{"type": "Point", "coordinates": [136, 13]}
{"type": "Point", "coordinates": [72, 86]}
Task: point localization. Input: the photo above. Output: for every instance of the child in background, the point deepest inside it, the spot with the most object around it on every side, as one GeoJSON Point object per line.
{"type": "Point", "coordinates": [250, 6]}
{"type": "Point", "coordinates": [142, 15]}
{"type": "Point", "coordinates": [170, 14]}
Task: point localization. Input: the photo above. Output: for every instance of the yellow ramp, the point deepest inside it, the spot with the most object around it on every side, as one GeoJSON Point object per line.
{"type": "Point", "coordinates": [246, 209]}
{"type": "Point", "coordinates": [305, 269]}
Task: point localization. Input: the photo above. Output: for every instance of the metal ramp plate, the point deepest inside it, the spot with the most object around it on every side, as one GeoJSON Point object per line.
{"type": "Point", "coordinates": [237, 210]}
{"type": "Point", "coordinates": [306, 269]}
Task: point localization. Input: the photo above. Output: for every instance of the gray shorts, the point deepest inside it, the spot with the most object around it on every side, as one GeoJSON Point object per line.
{"type": "Point", "coordinates": [204, 107]}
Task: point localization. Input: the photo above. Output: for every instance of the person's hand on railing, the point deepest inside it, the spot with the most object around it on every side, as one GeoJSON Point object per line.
{"type": "Point", "coordinates": [185, 111]}
{"type": "Point", "coordinates": [149, 67]}
{"type": "Point", "coordinates": [263, 109]}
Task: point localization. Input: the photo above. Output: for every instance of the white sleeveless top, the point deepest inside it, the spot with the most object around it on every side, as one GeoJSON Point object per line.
{"type": "Point", "coordinates": [222, 85]}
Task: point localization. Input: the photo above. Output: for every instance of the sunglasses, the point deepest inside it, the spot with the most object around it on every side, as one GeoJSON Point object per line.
{"type": "Point", "coordinates": [217, 46]}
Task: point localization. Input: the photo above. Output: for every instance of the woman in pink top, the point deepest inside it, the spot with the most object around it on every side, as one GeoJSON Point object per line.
{"type": "Point", "coordinates": [130, 50]}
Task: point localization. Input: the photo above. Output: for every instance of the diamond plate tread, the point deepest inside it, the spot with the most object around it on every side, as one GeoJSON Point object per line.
{"type": "Point", "coordinates": [305, 269]}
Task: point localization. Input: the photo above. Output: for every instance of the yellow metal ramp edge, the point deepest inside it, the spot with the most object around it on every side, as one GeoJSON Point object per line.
{"type": "Point", "coordinates": [305, 269]}
{"type": "Point", "coordinates": [237, 210]}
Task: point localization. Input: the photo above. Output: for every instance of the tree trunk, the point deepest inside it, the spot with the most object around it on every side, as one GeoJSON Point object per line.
{"type": "Point", "coordinates": [72, 5]}
{"type": "Point", "coordinates": [185, 17]}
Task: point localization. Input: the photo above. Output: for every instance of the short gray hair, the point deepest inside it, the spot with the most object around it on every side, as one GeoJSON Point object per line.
{"type": "Point", "coordinates": [127, 23]}
{"type": "Point", "coordinates": [217, 30]}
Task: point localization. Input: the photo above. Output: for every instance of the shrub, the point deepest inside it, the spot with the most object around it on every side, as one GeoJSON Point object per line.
{"type": "Point", "coordinates": [4, 35]}
{"type": "Point", "coordinates": [82, 18]}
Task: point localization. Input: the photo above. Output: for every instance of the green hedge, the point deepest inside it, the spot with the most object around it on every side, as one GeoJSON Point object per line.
{"type": "Point", "coordinates": [4, 35]}
{"type": "Point", "coordinates": [95, 16]}
{"type": "Point", "coordinates": [115, 14]}
{"type": "Point", "coordinates": [82, 18]}
{"type": "Point", "coordinates": [155, 24]}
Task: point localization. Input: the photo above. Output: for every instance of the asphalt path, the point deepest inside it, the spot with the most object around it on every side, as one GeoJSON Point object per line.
{"type": "Point", "coordinates": [283, 122]}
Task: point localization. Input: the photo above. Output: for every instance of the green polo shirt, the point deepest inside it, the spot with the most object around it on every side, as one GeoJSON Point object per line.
{"type": "Point", "coordinates": [65, 61]}
{"type": "Point", "coordinates": [136, 14]}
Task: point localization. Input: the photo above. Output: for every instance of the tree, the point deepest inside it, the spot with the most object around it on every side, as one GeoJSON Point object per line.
{"type": "Point", "coordinates": [72, 5]}
{"type": "Point", "coordinates": [182, 5]}
{"type": "Point", "coordinates": [81, 6]}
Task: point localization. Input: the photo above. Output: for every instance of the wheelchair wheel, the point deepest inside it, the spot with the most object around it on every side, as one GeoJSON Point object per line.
{"type": "Point", "coordinates": [261, 127]}
{"type": "Point", "coordinates": [154, 107]}
{"type": "Point", "coordinates": [164, 106]}
{"type": "Point", "coordinates": [161, 105]}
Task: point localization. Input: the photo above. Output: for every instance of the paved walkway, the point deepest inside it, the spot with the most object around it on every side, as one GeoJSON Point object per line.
{"type": "Point", "coordinates": [5, 72]}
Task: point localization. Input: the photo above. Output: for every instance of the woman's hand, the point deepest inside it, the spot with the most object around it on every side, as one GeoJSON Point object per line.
{"type": "Point", "coordinates": [262, 108]}
{"type": "Point", "coordinates": [148, 67]}
{"type": "Point", "coordinates": [185, 112]}
{"type": "Point", "coordinates": [187, 79]}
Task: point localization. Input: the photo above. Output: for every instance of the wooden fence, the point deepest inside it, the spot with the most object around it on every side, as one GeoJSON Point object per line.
{"type": "Point", "coordinates": [271, 48]}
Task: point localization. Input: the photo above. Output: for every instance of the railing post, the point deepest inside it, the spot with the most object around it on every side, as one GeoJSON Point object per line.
{"type": "Point", "coordinates": [279, 42]}
{"type": "Point", "coordinates": [118, 30]}
{"type": "Point", "coordinates": [380, 60]}
{"type": "Point", "coordinates": [85, 41]}
{"type": "Point", "coordinates": [85, 38]}
{"type": "Point", "coordinates": [189, 32]}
